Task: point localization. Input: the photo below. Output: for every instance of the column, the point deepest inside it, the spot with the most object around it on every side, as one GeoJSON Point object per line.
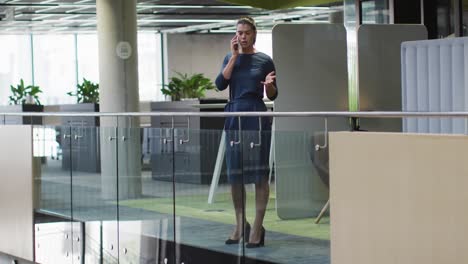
{"type": "Point", "coordinates": [118, 82]}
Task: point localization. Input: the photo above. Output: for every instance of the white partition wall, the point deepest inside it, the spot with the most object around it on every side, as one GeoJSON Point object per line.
{"type": "Point", "coordinates": [380, 70]}
{"type": "Point", "coordinates": [16, 191]}
{"type": "Point", "coordinates": [311, 72]}
{"type": "Point", "coordinates": [434, 78]}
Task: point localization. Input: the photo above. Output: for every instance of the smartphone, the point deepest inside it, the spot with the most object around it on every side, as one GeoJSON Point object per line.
{"type": "Point", "coordinates": [236, 46]}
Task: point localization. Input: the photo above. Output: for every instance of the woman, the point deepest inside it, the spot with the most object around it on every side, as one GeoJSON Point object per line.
{"type": "Point", "coordinates": [248, 73]}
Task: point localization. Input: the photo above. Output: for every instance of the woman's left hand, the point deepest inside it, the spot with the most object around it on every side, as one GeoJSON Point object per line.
{"type": "Point", "coordinates": [270, 79]}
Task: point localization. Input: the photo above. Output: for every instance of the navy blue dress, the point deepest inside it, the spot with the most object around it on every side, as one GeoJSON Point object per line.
{"type": "Point", "coordinates": [246, 164]}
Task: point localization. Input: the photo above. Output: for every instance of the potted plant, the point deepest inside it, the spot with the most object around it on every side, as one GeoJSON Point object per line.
{"type": "Point", "coordinates": [23, 98]}
{"type": "Point", "coordinates": [87, 92]}
{"type": "Point", "coordinates": [187, 86]}
{"type": "Point", "coordinates": [87, 98]}
{"type": "Point", "coordinates": [22, 94]}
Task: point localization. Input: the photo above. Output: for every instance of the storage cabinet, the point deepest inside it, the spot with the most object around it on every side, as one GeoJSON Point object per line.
{"type": "Point", "coordinates": [79, 139]}
{"type": "Point", "coordinates": [194, 160]}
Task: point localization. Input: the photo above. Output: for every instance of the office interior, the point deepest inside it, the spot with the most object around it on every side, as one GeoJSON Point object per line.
{"type": "Point", "coordinates": [83, 185]}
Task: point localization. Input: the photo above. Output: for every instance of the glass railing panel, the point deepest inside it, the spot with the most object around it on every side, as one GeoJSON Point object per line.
{"type": "Point", "coordinates": [53, 185]}
{"type": "Point", "coordinates": [295, 193]}
{"type": "Point", "coordinates": [287, 186]}
{"type": "Point", "coordinates": [134, 195]}
{"type": "Point", "coordinates": [260, 194]}
{"type": "Point", "coordinates": [146, 209]}
{"type": "Point", "coordinates": [77, 201]}
{"type": "Point", "coordinates": [94, 191]}
{"type": "Point", "coordinates": [205, 215]}
{"type": "Point", "coordinates": [53, 228]}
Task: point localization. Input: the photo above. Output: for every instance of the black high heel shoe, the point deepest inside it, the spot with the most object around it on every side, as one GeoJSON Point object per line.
{"type": "Point", "coordinates": [259, 244]}
{"type": "Point", "coordinates": [230, 241]}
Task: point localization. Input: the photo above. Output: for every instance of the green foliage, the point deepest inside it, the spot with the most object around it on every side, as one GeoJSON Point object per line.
{"type": "Point", "coordinates": [184, 86]}
{"type": "Point", "coordinates": [20, 94]}
{"type": "Point", "coordinates": [87, 92]}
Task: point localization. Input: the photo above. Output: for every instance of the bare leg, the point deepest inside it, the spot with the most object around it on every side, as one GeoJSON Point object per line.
{"type": "Point", "coordinates": [238, 199]}
{"type": "Point", "coordinates": [262, 193]}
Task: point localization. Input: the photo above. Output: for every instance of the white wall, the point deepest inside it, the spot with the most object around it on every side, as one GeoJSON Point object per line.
{"type": "Point", "coordinates": [16, 191]}
{"type": "Point", "coordinates": [198, 53]}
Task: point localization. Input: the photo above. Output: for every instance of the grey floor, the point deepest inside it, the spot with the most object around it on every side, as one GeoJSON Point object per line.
{"type": "Point", "coordinates": [88, 206]}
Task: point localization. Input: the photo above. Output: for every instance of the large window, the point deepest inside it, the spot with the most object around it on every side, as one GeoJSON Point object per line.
{"type": "Point", "coordinates": [149, 67]}
{"type": "Point", "coordinates": [55, 67]}
{"type": "Point", "coordinates": [15, 63]}
{"type": "Point", "coordinates": [149, 63]}
{"type": "Point", "coordinates": [60, 61]}
{"type": "Point", "coordinates": [264, 43]}
{"type": "Point", "coordinates": [88, 60]}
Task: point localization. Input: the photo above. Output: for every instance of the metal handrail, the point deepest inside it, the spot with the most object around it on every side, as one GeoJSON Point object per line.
{"type": "Point", "coordinates": [362, 114]}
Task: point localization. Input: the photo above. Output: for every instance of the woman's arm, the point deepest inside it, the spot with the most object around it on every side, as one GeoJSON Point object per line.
{"type": "Point", "coordinates": [234, 46]}
{"type": "Point", "coordinates": [222, 81]}
{"type": "Point", "coordinates": [271, 88]}
{"type": "Point", "coordinates": [227, 71]}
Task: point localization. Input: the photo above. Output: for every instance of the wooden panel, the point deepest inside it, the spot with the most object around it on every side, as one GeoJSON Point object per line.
{"type": "Point", "coordinates": [398, 198]}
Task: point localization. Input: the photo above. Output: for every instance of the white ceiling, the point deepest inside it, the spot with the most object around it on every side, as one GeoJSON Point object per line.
{"type": "Point", "coordinates": [55, 16]}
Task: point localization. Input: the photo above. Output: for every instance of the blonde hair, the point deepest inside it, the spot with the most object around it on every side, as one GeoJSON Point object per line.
{"type": "Point", "coordinates": [248, 21]}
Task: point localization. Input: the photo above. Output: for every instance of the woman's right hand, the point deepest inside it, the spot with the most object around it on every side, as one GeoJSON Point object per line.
{"type": "Point", "coordinates": [235, 46]}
